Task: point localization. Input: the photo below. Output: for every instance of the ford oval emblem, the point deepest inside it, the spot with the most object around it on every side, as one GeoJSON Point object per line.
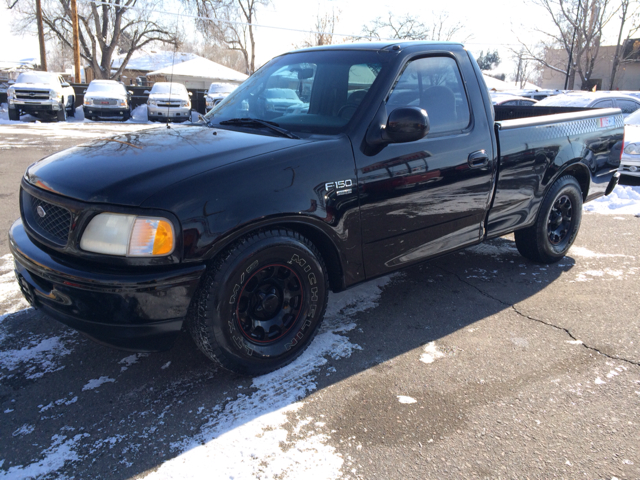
{"type": "Point", "coordinates": [41, 212]}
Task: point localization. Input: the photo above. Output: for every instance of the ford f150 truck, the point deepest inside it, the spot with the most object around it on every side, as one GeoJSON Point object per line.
{"type": "Point", "coordinates": [41, 94]}
{"type": "Point", "coordinates": [238, 226]}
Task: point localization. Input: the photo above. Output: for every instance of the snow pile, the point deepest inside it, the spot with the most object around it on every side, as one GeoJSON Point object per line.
{"type": "Point", "coordinates": [248, 438]}
{"type": "Point", "coordinates": [11, 299]}
{"type": "Point", "coordinates": [61, 451]}
{"type": "Point", "coordinates": [139, 114]}
{"type": "Point", "coordinates": [623, 200]}
{"type": "Point", "coordinates": [431, 353]}
{"type": "Point", "coordinates": [41, 356]}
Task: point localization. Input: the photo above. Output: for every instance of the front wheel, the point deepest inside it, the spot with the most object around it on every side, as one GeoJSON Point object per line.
{"type": "Point", "coordinates": [557, 225]}
{"type": "Point", "coordinates": [61, 115]}
{"type": "Point", "coordinates": [261, 302]}
{"type": "Point", "coordinates": [14, 114]}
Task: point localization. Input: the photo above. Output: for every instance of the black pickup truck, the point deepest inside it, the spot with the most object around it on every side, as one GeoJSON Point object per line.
{"type": "Point", "coordinates": [328, 167]}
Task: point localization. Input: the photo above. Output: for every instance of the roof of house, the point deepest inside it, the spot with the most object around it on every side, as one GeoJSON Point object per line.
{"type": "Point", "coordinates": [202, 68]}
{"type": "Point", "coordinates": [147, 62]}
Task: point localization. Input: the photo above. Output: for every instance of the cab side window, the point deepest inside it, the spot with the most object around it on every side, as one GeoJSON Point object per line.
{"type": "Point", "coordinates": [434, 84]}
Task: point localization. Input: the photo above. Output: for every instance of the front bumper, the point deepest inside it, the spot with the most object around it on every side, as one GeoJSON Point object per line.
{"type": "Point", "coordinates": [132, 311]}
{"type": "Point", "coordinates": [36, 106]}
{"type": "Point", "coordinates": [180, 114]}
{"type": "Point", "coordinates": [105, 112]}
{"type": "Point", "coordinates": [630, 165]}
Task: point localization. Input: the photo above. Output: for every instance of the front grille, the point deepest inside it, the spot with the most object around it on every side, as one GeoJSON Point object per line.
{"type": "Point", "coordinates": [169, 104]}
{"type": "Point", "coordinates": [32, 95]}
{"type": "Point", "coordinates": [104, 101]}
{"type": "Point", "coordinates": [51, 219]}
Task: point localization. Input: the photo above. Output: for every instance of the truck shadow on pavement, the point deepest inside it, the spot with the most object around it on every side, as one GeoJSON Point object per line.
{"type": "Point", "coordinates": [75, 408]}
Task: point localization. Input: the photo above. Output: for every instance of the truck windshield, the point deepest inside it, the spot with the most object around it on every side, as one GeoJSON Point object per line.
{"type": "Point", "coordinates": [116, 88]}
{"type": "Point", "coordinates": [176, 88]}
{"type": "Point", "coordinates": [37, 77]}
{"type": "Point", "coordinates": [313, 92]}
{"type": "Point", "coordinates": [221, 88]}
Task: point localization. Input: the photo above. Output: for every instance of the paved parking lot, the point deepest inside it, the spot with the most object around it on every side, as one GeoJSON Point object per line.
{"type": "Point", "coordinates": [478, 364]}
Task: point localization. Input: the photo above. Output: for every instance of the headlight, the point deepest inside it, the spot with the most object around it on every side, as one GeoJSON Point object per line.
{"type": "Point", "coordinates": [632, 149]}
{"type": "Point", "coordinates": [11, 94]}
{"type": "Point", "coordinates": [128, 235]}
{"type": "Point", "coordinates": [122, 103]}
{"type": "Point", "coordinates": [54, 95]}
{"type": "Point", "coordinates": [209, 102]}
{"type": "Point", "coordinates": [153, 103]}
{"type": "Point", "coordinates": [185, 104]}
{"type": "Point", "coordinates": [87, 101]}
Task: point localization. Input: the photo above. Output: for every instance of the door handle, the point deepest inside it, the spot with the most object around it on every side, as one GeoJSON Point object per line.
{"type": "Point", "coordinates": [478, 159]}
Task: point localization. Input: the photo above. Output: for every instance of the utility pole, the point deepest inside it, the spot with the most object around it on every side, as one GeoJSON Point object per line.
{"type": "Point", "coordinates": [76, 41]}
{"type": "Point", "coordinates": [43, 53]}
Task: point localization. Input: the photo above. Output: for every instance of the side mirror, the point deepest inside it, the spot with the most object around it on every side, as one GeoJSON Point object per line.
{"type": "Point", "coordinates": [11, 82]}
{"type": "Point", "coordinates": [190, 94]}
{"type": "Point", "coordinates": [84, 91]}
{"type": "Point", "coordinates": [147, 92]}
{"type": "Point", "coordinates": [402, 125]}
{"type": "Point", "coordinates": [406, 124]}
{"type": "Point", "coordinates": [65, 84]}
{"type": "Point", "coordinates": [129, 92]}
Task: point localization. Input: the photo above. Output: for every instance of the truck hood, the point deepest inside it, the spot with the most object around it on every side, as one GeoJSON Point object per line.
{"type": "Point", "coordinates": [33, 86]}
{"type": "Point", "coordinates": [127, 169]}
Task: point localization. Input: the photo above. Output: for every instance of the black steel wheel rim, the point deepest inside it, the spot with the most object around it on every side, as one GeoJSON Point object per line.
{"type": "Point", "coordinates": [560, 220]}
{"type": "Point", "coordinates": [269, 304]}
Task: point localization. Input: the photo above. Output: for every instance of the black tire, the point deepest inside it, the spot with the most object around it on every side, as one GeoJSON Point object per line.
{"type": "Point", "coordinates": [261, 302]}
{"type": "Point", "coordinates": [61, 115]}
{"type": "Point", "coordinates": [556, 228]}
{"type": "Point", "coordinates": [14, 114]}
{"type": "Point", "coordinates": [72, 107]}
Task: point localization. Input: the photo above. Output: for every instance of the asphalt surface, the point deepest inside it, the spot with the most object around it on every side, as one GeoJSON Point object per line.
{"type": "Point", "coordinates": [478, 364]}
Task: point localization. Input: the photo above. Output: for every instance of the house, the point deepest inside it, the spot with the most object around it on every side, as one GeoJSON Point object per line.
{"type": "Point", "coordinates": [197, 73]}
{"type": "Point", "coordinates": [627, 75]}
{"type": "Point", "coordinates": [141, 63]}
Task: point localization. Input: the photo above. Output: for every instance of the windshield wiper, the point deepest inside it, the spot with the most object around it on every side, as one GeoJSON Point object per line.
{"type": "Point", "coordinates": [264, 123]}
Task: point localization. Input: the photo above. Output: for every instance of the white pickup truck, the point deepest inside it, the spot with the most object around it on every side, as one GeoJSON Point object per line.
{"type": "Point", "coordinates": [41, 94]}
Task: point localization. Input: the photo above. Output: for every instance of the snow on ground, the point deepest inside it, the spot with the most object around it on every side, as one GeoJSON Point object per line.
{"type": "Point", "coordinates": [623, 200]}
{"type": "Point", "coordinates": [248, 439]}
{"type": "Point", "coordinates": [11, 299]}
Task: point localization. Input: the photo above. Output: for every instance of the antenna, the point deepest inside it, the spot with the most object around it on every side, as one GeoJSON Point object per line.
{"type": "Point", "coordinates": [173, 61]}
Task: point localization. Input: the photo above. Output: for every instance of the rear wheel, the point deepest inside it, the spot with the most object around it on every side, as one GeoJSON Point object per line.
{"type": "Point", "coordinates": [557, 225]}
{"type": "Point", "coordinates": [261, 303]}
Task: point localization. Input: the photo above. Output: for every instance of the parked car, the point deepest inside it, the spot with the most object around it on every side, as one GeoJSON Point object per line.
{"type": "Point", "coordinates": [107, 99]}
{"type": "Point", "coordinates": [41, 94]}
{"type": "Point", "coordinates": [630, 158]}
{"type": "Point", "coordinates": [510, 100]}
{"type": "Point", "coordinates": [168, 102]}
{"type": "Point", "coordinates": [276, 101]}
{"type": "Point", "coordinates": [216, 93]}
{"type": "Point", "coordinates": [238, 226]}
{"type": "Point", "coordinates": [626, 103]}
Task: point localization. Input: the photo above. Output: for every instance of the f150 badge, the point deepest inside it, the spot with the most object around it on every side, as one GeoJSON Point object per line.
{"type": "Point", "coordinates": [342, 187]}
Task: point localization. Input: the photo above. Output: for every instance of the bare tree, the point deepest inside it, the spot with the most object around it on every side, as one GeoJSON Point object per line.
{"type": "Point", "coordinates": [402, 28]}
{"type": "Point", "coordinates": [323, 30]}
{"type": "Point", "coordinates": [410, 27]}
{"type": "Point", "coordinates": [443, 30]}
{"type": "Point", "coordinates": [629, 9]}
{"type": "Point", "coordinates": [104, 28]}
{"type": "Point", "coordinates": [230, 23]}
{"type": "Point", "coordinates": [525, 70]}
{"type": "Point", "coordinates": [578, 27]}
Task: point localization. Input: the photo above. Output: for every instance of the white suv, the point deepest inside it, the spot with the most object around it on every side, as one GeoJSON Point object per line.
{"type": "Point", "coordinates": [218, 92]}
{"type": "Point", "coordinates": [169, 101]}
{"type": "Point", "coordinates": [41, 94]}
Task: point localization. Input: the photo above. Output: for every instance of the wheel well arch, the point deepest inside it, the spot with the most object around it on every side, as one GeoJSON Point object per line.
{"type": "Point", "coordinates": [313, 233]}
{"type": "Point", "coordinates": [581, 173]}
